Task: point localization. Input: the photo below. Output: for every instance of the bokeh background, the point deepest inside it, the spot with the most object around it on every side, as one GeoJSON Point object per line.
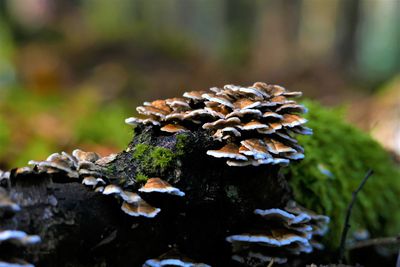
{"type": "Point", "coordinates": [71, 71]}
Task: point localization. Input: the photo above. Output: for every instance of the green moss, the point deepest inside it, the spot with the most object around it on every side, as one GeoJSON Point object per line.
{"type": "Point", "coordinates": [337, 158]}
{"type": "Point", "coordinates": [181, 144]}
{"type": "Point", "coordinates": [161, 157]}
{"type": "Point", "coordinates": [141, 178]}
{"type": "Point", "coordinates": [153, 160]}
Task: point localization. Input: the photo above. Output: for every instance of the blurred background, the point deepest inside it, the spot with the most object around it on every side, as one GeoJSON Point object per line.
{"type": "Point", "coordinates": [72, 71]}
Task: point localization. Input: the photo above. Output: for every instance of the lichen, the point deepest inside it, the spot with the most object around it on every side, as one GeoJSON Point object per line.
{"type": "Point", "coordinates": [337, 157]}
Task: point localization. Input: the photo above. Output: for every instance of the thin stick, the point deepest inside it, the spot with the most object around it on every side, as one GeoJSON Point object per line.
{"type": "Point", "coordinates": [375, 242]}
{"type": "Point", "coordinates": [347, 225]}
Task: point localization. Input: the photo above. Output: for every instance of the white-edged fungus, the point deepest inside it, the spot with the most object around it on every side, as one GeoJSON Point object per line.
{"type": "Point", "coordinates": [173, 258]}
{"type": "Point", "coordinates": [232, 114]}
{"type": "Point", "coordinates": [173, 128]}
{"type": "Point", "coordinates": [19, 237]}
{"type": "Point", "coordinates": [160, 186]}
{"type": "Point", "coordinates": [140, 208]}
{"type": "Point", "coordinates": [230, 151]}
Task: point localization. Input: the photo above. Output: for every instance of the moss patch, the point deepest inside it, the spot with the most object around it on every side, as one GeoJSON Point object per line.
{"type": "Point", "coordinates": [181, 144]}
{"type": "Point", "coordinates": [337, 158]}
{"type": "Point", "coordinates": [152, 160]}
{"type": "Point", "coordinates": [141, 178]}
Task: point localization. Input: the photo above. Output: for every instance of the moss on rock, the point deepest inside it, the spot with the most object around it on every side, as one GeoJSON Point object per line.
{"type": "Point", "coordinates": [337, 158]}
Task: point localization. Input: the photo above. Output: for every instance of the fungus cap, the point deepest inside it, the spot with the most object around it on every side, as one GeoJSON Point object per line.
{"type": "Point", "coordinates": [160, 186]}
{"type": "Point", "coordinates": [140, 208]}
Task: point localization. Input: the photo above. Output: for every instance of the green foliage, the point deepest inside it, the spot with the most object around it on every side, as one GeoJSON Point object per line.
{"type": "Point", "coordinates": [4, 135]}
{"type": "Point", "coordinates": [141, 178]}
{"type": "Point", "coordinates": [337, 158]}
{"type": "Point", "coordinates": [153, 159]}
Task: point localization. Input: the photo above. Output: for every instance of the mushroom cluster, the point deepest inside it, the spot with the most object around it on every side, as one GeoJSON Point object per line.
{"type": "Point", "coordinates": [133, 204]}
{"type": "Point", "coordinates": [13, 238]}
{"type": "Point", "coordinates": [80, 164]}
{"type": "Point", "coordinates": [88, 168]}
{"type": "Point", "coordinates": [289, 231]}
{"type": "Point", "coordinates": [255, 124]}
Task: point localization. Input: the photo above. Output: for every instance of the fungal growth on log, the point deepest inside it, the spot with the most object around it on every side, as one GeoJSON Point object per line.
{"type": "Point", "coordinates": [200, 180]}
{"type": "Point", "coordinates": [254, 124]}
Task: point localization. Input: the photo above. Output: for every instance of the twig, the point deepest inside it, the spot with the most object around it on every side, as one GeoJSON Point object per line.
{"type": "Point", "coordinates": [375, 242]}
{"type": "Point", "coordinates": [347, 225]}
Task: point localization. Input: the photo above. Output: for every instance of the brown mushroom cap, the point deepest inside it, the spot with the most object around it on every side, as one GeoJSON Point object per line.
{"type": "Point", "coordinates": [173, 128]}
{"type": "Point", "coordinates": [228, 151]}
{"type": "Point", "coordinates": [140, 208]}
{"type": "Point", "coordinates": [160, 186]}
{"type": "Point", "coordinates": [85, 156]}
{"type": "Point", "coordinates": [233, 114]}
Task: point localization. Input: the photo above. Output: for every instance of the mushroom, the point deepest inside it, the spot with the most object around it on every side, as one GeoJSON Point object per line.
{"type": "Point", "coordinates": [228, 151]}
{"type": "Point", "coordinates": [140, 208]}
{"type": "Point", "coordinates": [18, 237]}
{"type": "Point", "coordinates": [15, 263]}
{"type": "Point", "coordinates": [232, 114]}
{"type": "Point", "coordinates": [81, 155]}
{"type": "Point", "coordinates": [173, 128]}
{"type": "Point", "coordinates": [160, 186]}
{"type": "Point", "coordinates": [173, 258]}
{"type": "Point", "coordinates": [6, 204]}
{"type": "Point", "coordinates": [287, 231]}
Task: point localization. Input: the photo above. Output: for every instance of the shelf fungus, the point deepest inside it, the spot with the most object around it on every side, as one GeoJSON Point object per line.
{"type": "Point", "coordinates": [15, 239]}
{"type": "Point", "coordinates": [233, 115]}
{"type": "Point", "coordinates": [173, 258]}
{"type": "Point", "coordinates": [160, 186]}
{"type": "Point", "coordinates": [283, 232]}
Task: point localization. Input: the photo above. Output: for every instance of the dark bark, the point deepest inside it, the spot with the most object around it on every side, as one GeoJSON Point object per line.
{"type": "Point", "coordinates": [80, 227]}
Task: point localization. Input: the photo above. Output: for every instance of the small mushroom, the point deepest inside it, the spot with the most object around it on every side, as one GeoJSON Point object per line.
{"type": "Point", "coordinates": [258, 147]}
{"type": "Point", "coordinates": [106, 160]}
{"type": "Point", "coordinates": [292, 120]}
{"type": "Point", "coordinates": [276, 238]}
{"type": "Point", "coordinates": [218, 99]}
{"type": "Point", "coordinates": [6, 203]}
{"type": "Point", "coordinates": [158, 104]}
{"type": "Point", "coordinates": [136, 121]}
{"type": "Point", "coordinates": [177, 102]}
{"type": "Point", "coordinates": [19, 237]}
{"type": "Point", "coordinates": [152, 111]}
{"type": "Point", "coordinates": [246, 103]}
{"type": "Point", "coordinates": [15, 263]}
{"type": "Point", "coordinates": [222, 123]}
{"type": "Point", "coordinates": [160, 186]}
{"type": "Point", "coordinates": [173, 258]}
{"type": "Point", "coordinates": [92, 181]}
{"type": "Point", "coordinates": [228, 151]}
{"type": "Point", "coordinates": [173, 128]}
{"type": "Point", "coordinates": [140, 208]}
{"type": "Point", "coordinates": [254, 125]}
{"type": "Point", "coordinates": [194, 95]}
{"type": "Point", "coordinates": [81, 155]}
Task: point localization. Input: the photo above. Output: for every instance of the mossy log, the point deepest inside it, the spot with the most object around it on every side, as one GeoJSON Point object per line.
{"type": "Point", "coordinates": [80, 227]}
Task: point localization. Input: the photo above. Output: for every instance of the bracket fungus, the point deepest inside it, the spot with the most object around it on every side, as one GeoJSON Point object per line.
{"type": "Point", "coordinates": [232, 126]}
{"type": "Point", "coordinates": [173, 258]}
{"type": "Point", "coordinates": [294, 229]}
{"type": "Point", "coordinates": [14, 239]}
{"type": "Point", "coordinates": [233, 115]}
